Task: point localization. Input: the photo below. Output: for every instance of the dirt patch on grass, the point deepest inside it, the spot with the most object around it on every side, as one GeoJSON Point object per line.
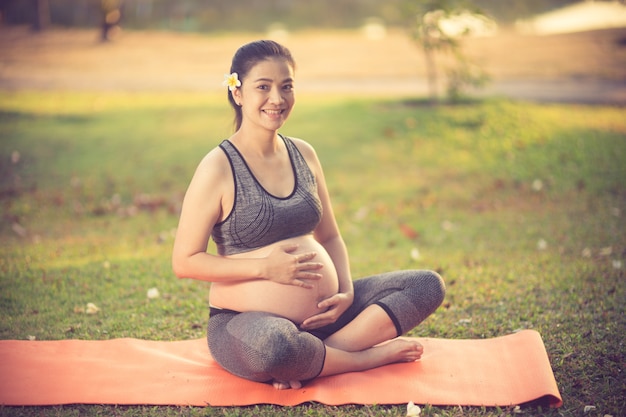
{"type": "Point", "coordinates": [327, 60]}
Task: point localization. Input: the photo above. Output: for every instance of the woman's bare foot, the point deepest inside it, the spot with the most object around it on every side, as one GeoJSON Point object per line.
{"type": "Point", "coordinates": [338, 361]}
{"type": "Point", "coordinates": [397, 350]}
{"type": "Point", "coordinates": [280, 385]}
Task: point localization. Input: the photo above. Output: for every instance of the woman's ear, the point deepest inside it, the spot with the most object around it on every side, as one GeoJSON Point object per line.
{"type": "Point", "coordinates": [237, 95]}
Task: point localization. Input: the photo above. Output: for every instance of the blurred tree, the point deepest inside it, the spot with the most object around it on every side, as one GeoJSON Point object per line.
{"type": "Point", "coordinates": [425, 21]}
{"type": "Point", "coordinates": [111, 17]}
{"type": "Point", "coordinates": [41, 14]}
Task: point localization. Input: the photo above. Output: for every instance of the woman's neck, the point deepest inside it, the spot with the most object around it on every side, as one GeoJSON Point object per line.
{"type": "Point", "coordinates": [261, 143]}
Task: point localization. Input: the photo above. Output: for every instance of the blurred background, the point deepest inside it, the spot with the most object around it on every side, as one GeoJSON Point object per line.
{"type": "Point", "coordinates": [556, 50]}
{"type": "Point", "coordinates": [253, 15]}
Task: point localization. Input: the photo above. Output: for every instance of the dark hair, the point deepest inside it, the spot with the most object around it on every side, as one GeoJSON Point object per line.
{"type": "Point", "coordinates": [247, 57]}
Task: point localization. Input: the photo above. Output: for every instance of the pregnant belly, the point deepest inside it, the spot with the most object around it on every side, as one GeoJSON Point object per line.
{"type": "Point", "coordinates": [289, 301]}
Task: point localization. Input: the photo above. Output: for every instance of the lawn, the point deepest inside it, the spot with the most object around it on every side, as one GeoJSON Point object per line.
{"type": "Point", "coordinates": [520, 206]}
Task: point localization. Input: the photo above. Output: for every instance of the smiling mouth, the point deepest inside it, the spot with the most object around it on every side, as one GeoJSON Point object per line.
{"type": "Point", "coordinates": [273, 112]}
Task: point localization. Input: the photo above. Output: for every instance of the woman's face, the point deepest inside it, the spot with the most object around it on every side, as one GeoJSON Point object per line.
{"type": "Point", "coordinates": [267, 94]}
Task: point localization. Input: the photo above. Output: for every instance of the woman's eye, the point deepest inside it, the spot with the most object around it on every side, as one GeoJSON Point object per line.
{"type": "Point", "coordinates": [288, 87]}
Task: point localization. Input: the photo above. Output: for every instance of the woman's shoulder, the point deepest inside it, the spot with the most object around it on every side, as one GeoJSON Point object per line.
{"type": "Point", "coordinates": [215, 162]}
{"type": "Point", "coordinates": [305, 148]}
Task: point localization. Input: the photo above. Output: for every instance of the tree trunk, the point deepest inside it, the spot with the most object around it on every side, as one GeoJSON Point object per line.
{"type": "Point", "coordinates": [41, 18]}
{"type": "Point", "coordinates": [111, 16]}
{"type": "Point", "coordinates": [431, 73]}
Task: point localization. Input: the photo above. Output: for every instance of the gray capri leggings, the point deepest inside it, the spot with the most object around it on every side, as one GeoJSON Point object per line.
{"type": "Point", "coordinates": [264, 347]}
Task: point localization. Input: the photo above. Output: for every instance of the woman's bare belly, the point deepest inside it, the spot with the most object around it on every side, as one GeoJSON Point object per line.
{"type": "Point", "coordinates": [294, 303]}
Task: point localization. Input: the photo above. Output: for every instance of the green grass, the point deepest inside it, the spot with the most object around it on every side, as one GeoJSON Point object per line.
{"type": "Point", "coordinates": [521, 207]}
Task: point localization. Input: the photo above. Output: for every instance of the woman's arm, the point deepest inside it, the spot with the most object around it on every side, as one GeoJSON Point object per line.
{"type": "Point", "coordinates": [207, 197]}
{"type": "Point", "coordinates": [201, 209]}
{"type": "Point", "coordinates": [328, 235]}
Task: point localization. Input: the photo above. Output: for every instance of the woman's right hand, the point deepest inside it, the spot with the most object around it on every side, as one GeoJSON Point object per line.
{"type": "Point", "coordinates": [283, 266]}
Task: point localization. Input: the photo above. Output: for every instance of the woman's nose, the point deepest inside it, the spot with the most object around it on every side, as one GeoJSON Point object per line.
{"type": "Point", "coordinates": [276, 96]}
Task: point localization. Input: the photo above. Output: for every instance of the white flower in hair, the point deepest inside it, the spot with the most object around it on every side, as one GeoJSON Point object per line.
{"type": "Point", "coordinates": [231, 81]}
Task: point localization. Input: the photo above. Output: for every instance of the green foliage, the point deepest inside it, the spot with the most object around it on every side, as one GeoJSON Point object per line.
{"type": "Point", "coordinates": [520, 206]}
{"type": "Point", "coordinates": [426, 24]}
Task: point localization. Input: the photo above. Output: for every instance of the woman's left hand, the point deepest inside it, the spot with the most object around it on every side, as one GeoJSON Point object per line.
{"type": "Point", "coordinates": [335, 306]}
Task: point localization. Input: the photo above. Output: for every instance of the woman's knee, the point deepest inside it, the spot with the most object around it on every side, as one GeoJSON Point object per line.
{"type": "Point", "coordinates": [436, 286]}
{"type": "Point", "coordinates": [263, 347]}
{"type": "Point", "coordinates": [426, 288]}
{"type": "Point", "coordinates": [429, 288]}
{"type": "Point", "coordinates": [289, 356]}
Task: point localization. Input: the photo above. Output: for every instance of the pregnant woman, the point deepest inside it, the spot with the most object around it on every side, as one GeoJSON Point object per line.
{"type": "Point", "coordinates": [283, 306]}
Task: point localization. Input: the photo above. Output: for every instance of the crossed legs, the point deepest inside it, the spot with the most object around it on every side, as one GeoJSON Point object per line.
{"type": "Point", "coordinates": [367, 342]}
{"type": "Point", "coordinates": [263, 347]}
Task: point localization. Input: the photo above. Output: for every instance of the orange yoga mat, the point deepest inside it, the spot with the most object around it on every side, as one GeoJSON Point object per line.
{"type": "Point", "coordinates": [503, 371]}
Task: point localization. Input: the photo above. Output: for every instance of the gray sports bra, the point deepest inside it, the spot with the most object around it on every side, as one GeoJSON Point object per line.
{"type": "Point", "coordinates": [259, 218]}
